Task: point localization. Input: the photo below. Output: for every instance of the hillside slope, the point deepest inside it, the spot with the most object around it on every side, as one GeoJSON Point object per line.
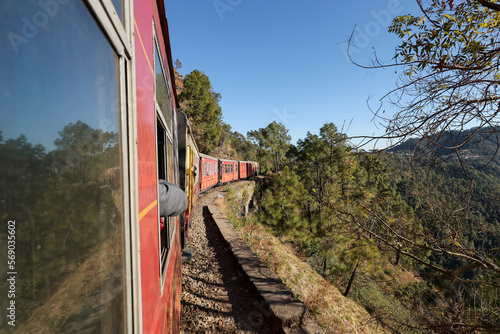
{"type": "Point", "coordinates": [330, 309]}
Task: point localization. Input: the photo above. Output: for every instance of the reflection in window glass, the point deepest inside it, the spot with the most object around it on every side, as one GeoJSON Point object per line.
{"type": "Point", "coordinates": [161, 91]}
{"type": "Point", "coordinates": [119, 8]}
{"type": "Point", "coordinates": [60, 183]}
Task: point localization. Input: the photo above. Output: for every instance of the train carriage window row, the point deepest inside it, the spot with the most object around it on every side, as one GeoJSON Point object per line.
{"type": "Point", "coordinates": [166, 225]}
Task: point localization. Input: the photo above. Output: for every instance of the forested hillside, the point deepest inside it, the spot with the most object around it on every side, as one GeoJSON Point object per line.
{"type": "Point", "coordinates": [416, 244]}
{"type": "Point", "coordinates": [411, 234]}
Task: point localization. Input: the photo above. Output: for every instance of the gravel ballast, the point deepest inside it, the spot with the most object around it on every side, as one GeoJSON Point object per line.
{"type": "Point", "coordinates": [217, 297]}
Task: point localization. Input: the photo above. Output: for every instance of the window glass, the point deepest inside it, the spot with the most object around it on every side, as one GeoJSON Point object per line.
{"type": "Point", "coordinates": [165, 167]}
{"type": "Point", "coordinates": [161, 92]}
{"type": "Point", "coordinates": [119, 8]}
{"type": "Point", "coordinates": [60, 171]}
{"type": "Point", "coordinates": [162, 151]}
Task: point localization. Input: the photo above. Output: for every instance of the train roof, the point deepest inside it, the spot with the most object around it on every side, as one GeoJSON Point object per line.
{"type": "Point", "coordinates": [227, 160]}
{"type": "Point", "coordinates": [208, 157]}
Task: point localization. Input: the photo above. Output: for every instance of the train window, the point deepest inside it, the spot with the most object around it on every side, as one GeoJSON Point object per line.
{"type": "Point", "coordinates": [62, 169]}
{"type": "Point", "coordinates": [161, 91]}
{"type": "Point", "coordinates": [166, 225]}
{"type": "Point", "coordinates": [162, 151]}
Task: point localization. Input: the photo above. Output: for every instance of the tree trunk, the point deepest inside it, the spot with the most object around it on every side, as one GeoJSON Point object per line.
{"type": "Point", "coordinates": [397, 258]}
{"type": "Point", "coordinates": [351, 280]}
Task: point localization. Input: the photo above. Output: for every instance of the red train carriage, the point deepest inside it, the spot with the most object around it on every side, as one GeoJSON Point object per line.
{"type": "Point", "coordinates": [209, 174]}
{"type": "Point", "coordinates": [160, 255]}
{"type": "Point", "coordinates": [247, 169]}
{"type": "Point", "coordinates": [91, 126]}
{"type": "Point", "coordinates": [228, 171]}
{"type": "Point", "coordinates": [253, 168]}
{"type": "Point", "coordinates": [242, 170]}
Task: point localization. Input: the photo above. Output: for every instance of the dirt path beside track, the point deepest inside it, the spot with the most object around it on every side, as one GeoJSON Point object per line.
{"type": "Point", "coordinates": [216, 296]}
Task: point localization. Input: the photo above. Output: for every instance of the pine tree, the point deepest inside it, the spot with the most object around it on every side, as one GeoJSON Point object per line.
{"type": "Point", "coordinates": [273, 142]}
{"type": "Point", "coordinates": [201, 105]}
{"type": "Point", "coordinates": [282, 203]}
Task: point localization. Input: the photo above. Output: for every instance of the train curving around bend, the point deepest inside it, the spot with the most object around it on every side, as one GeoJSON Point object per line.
{"type": "Point", "coordinates": [89, 123]}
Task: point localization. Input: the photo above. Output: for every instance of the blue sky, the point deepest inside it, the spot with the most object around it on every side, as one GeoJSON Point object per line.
{"type": "Point", "coordinates": [286, 60]}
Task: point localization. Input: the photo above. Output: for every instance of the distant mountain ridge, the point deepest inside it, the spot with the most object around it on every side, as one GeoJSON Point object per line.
{"type": "Point", "coordinates": [471, 143]}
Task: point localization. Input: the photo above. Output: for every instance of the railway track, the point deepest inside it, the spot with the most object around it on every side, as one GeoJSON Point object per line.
{"type": "Point", "coordinates": [217, 297]}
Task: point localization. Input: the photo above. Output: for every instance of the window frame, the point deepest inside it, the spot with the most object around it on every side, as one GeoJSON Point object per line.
{"type": "Point", "coordinates": [121, 40]}
{"type": "Point", "coordinates": [164, 255]}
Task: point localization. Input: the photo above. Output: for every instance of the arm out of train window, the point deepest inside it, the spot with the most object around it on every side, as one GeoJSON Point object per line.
{"type": "Point", "coordinates": [173, 201]}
